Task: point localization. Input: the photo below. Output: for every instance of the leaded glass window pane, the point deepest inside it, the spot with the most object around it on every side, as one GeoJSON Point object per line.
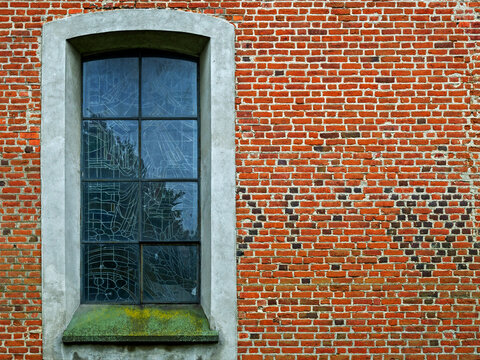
{"type": "Point", "coordinates": [170, 273]}
{"type": "Point", "coordinates": [169, 149]}
{"type": "Point", "coordinates": [169, 87]}
{"type": "Point", "coordinates": [110, 88]}
{"type": "Point", "coordinates": [110, 211]}
{"type": "Point", "coordinates": [110, 149]}
{"type": "Point", "coordinates": [140, 180]}
{"type": "Point", "coordinates": [111, 273]}
{"type": "Point", "coordinates": [170, 211]}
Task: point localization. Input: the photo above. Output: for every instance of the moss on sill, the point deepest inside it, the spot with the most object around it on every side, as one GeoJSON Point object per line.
{"type": "Point", "coordinates": [139, 324]}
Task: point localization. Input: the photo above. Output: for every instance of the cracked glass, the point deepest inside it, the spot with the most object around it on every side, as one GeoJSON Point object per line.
{"type": "Point", "coordinates": [140, 179]}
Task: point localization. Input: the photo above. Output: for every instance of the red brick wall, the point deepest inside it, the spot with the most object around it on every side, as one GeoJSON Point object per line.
{"type": "Point", "coordinates": [357, 170]}
{"type": "Point", "coordinates": [20, 282]}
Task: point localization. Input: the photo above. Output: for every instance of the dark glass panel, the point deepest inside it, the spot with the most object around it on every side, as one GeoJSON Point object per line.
{"type": "Point", "coordinates": [170, 274]}
{"type": "Point", "coordinates": [169, 87]}
{"type": "Point", "coordinates": [110, 273]}
{"type": "Point", "coordinates": [110, 149]}
{"type": "Point", "coordinates": [110, 211]}
{"type": "Point", "coordinates": [169, 149]}
{"type": "Point", "coordinates": [110, 88]}
{"type": "Point", "coordinates": [170, 211]}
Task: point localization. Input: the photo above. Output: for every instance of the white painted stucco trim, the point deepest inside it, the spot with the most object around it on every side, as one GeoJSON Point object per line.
{"type": "Point", "coordinates": [60, 174]}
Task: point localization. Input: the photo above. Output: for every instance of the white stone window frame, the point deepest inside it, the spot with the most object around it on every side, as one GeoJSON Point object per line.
{"type": "Point", "coordinates": [62, 49]}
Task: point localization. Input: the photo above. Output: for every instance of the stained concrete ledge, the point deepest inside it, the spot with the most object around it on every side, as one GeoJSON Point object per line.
{"type": "Point", "coordinates": [139, 324]}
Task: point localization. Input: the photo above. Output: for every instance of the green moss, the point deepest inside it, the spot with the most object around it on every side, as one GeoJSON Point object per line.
{"type": "Point", "coordinates": [143, 324]}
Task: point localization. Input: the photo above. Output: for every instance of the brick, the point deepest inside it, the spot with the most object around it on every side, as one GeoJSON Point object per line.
{"type": "Point", "coordinates": [357, 174]}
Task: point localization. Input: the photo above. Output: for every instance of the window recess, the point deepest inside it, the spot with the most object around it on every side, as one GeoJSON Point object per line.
{"type": "Point", "coordinates": [140, 179]}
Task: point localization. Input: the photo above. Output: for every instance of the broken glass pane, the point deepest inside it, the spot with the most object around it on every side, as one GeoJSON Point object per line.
{"type": "Point", "coordinates": [169, 87]}
{"type": "Point", "coordinates": [110, 88]}
{"type": "Point", "coordinates": [170, 274]}
{"type": "Point", "coordinates": [170, 211]}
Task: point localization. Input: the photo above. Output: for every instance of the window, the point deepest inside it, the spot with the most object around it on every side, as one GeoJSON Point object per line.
{"type": "Point", "coordinates": [65, 42]}
{"type": "Point", "coordinates": [140, 172]}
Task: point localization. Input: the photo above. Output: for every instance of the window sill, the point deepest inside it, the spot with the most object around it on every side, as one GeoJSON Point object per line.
{"type": "Point", "coordinates": [139, 324]}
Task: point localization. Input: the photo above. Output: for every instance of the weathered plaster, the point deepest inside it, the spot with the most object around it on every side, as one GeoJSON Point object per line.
{"type": "Point", "coordinates": [63, 42]}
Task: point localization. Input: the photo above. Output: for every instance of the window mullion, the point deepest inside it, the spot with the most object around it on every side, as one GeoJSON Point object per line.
{"type": "Point", "coordinates": [140, 197]}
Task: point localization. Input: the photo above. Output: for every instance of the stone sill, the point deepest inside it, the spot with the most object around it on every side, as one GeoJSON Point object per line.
{"type": "Point", "coordinates": [139, 324]}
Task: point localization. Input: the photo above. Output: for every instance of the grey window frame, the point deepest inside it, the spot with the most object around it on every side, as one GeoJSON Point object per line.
{"type": "Point", "coordinates": [140, 54]}
{"type": "Point", "coordinates": [64, 41]}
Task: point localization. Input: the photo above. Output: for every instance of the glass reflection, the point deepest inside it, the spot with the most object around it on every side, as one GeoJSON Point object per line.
{"type": "Point", "coordinates": [170, 274]}
{"type": "Point", "coordinates": [110, 149]}
{"type": "Point", "coordinates": [170, 211]}
{"type": "Point", "coordinates": [110, 87]}
{"type": "Point", "coordinates": [110, 211]}
{"type": "Point", "coordinates": [169, 149]}
{"type": "Point", "coordinates": [139, 203]}
{"type": "Point", "coordinates": [110, 273]}
{"type": "Point", "coordinates": [169, 87]}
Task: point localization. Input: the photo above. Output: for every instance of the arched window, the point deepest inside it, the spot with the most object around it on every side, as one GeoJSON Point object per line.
{"type": "Point", "coordinates": [139, 144]}
{"type": "Point", "coordinates": [140, 176]}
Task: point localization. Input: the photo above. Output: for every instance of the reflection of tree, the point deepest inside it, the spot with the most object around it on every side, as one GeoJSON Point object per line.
{"type": "Point", "coordinates": [110, 153]}
{"type": "Point", "coordinates": [110, 214]}
{"type": "Point", "coordinates": [165, 216]}
{"type": "Point", "coordinates": [113, 216]}
{"type": "Point", "coordinates": [168, 211]}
